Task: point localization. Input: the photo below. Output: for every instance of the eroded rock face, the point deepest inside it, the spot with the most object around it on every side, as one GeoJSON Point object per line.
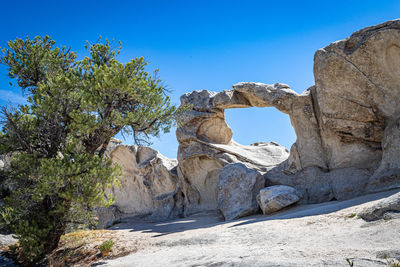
{"type": "Point", "coordinates": [347, 138]}
{"type": "Point", "coordinates": [238, 187]}
{"type": "Point", "coordinates": [347, 128]}
{"type": "Point", "coordinates": [149, 187]}
{"type": "Point", "coordinates": [355, 108]}
{"type": "Point", "coordinates": [206, 146]}
{"type": "Point", "coordinates": [387, 175]}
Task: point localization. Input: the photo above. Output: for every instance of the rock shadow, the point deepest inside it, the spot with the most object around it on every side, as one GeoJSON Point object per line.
{"type": "Point", "coordinates": [210, 219]}
{"type": "Point", "coordinates": [301, 211]}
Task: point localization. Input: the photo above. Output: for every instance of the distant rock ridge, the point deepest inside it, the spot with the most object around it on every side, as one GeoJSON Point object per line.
{"type": "Point", "coordinates": [347, 128]}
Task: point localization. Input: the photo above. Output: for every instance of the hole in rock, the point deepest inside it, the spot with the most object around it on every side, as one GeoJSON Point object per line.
{"type": "Point", "coordinates": [251, 125]}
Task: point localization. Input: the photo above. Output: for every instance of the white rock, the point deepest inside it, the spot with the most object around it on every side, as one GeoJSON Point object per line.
{"type": "Point", "coordinates": [149, 186]}
{"type": "Point", "coordinates": [277, 197]}
{"type": "Point", "coordinates": [237, 190]}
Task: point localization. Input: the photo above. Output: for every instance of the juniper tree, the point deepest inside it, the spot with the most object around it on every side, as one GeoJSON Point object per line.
{"type": "Point", "coordinates": [57, 140]}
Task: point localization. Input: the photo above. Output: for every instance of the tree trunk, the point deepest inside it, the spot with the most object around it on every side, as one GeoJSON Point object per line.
{"type": "Point", "coordinates": [57, 219]}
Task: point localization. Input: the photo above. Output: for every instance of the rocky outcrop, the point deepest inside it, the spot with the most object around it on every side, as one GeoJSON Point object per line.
{"type": "Point", "coordinates": [206, 146]}
{"type": "Point", "coordinates": [149, 187]}
{"type": "Point", "coordinates": [346, 126]}
{"type": "Point", "coordinates": [277, 197]}
{"type": "Point", "coordinates": [238, 187]}
{"type": "Point", "coordinates": [357, 94]}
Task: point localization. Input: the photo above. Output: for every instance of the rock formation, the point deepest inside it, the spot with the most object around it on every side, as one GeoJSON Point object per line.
{"type": "Point", "coordinates": [346, 124]}
{"type": "Point", "coordinates": [206, 146]}
{"type": "Point", "coordinates": [149, 187]}
{"type": "Point", "coordinates": [347, 127]}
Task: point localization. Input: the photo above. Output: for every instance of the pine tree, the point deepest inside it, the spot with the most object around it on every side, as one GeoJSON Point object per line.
{"type": "Point", "coordinates": [57, 141]}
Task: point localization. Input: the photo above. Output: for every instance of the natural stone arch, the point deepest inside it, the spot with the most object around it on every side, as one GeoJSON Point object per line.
{"type": "Point", "coordinates": [205, 134]}
{"type": "Point", "coordinates": [339, 123]}
{"type": "Point", "coordinates": [347, 127]}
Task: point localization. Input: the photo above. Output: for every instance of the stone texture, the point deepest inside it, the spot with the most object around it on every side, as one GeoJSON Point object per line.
{"type": "Point", "coordinates": [347, 128]}
{"type": "Point", "coordinates": [277, 197]}
{"type": "Point", "coordinates": [347, 138]}
{"type": "Point", "coordinates": [387, 176]}
{"type": "Point", "coordinates": [237, 191]}
{"type": "Point", "coordinates": [206, 146]}
{"type": "Point", "coordinates": [198, 145]}
{"type": "Point", "coordinates": [108, 216]}
{"type": "Point", "coordinates": [149, 187]}
{"type": "Point", "coordinates": [378, 210]}
{"type": "Point", "coordinates": [356, 105]}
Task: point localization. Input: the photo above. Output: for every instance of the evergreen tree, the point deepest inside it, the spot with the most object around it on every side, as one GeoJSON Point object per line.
{"type": "Point", "coordinates": [58, 172]}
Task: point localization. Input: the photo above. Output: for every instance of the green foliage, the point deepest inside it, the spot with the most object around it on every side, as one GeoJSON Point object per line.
{"type": "Point", "coordinates": [57, 141]}
{"type": "Point", "coordinates": [350, 262]}
{"type": "Point", "coordinates": [106, 246]}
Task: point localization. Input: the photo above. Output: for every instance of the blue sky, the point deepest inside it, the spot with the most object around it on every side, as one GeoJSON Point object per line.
{"type": "Point", "coordinates": [203, 45]}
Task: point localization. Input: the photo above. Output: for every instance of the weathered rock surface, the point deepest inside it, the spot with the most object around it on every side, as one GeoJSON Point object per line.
{"type": "Point", "coordinates": [108, 216]}
{"type": "Point", "coordinates": [377, 211]}
{"type": "Point", "coordinates": [277, 197]}
{"type": "Point", "coordinates": [347, 127]}
{"type": "Point", "coordinates": [206, 146]}
{"type": "Point", "coordinates": [357, 93]}
{"type": "Point", "coordinates": [387, 175]}
{"type": "Point", "coordinates": [316, 235]}
{"type": "Point", "coordinates": [237, 191]}
{"type": "Point", "coordinates": [149, 187]}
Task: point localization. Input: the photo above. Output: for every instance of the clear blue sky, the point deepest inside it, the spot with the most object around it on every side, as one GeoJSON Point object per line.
{"type": "Point", "coordinates": [203, 44]}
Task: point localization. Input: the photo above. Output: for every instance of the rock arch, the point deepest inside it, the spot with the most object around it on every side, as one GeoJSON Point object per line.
{"type": "Point", "coordinates": [347, 127]}
{"type": "Point", "coordinates": [205, 137]}
{"type": "Point", "coordinates": [340, 124]}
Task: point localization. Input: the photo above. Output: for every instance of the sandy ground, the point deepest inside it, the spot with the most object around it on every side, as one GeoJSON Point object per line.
{"type": "Point", "coordinates": [311, 235]}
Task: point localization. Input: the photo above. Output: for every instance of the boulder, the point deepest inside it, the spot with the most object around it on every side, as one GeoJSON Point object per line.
{"type": "Point", "coordinates": [108, 216]}
{"type": "Point", "coordinates": [237, 191]}
{"type": "Point", "coordinates": [277, 197]}
{"type": "Point", "coordinates": [379, 209]}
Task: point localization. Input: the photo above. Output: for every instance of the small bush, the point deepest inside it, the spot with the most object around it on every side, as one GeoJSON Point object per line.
{"type": "Point", "coordinates": [106, 246]}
